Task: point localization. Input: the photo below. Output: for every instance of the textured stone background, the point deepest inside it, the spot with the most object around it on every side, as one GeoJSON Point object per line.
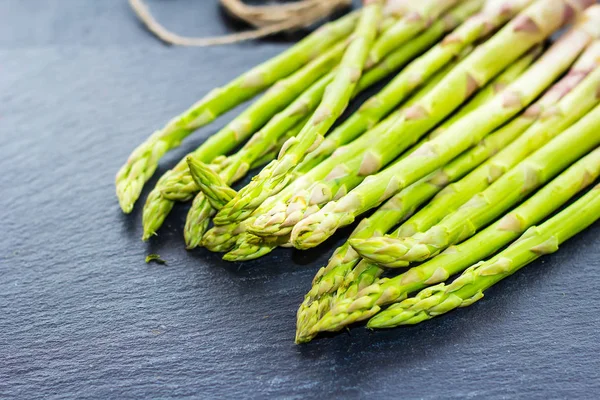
{"type": "Point", "coordinates": [82, 315]}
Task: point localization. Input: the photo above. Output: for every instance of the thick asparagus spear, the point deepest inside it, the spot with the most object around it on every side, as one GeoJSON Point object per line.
{"type": "Point", "coordinates": [485, 206]}
{"type": "Point", "coordinates": [282, 217]}
{"type": "Point", "coordinates": [402, 205]}
{"type": "Point", "coordinates": [143, 161]}
{"type": "Point", "coordinates": [372, 111]}
{"type": "Point", "coordinates": [370, 299]}
{"type": "Point", "coordinates": [540, 19]}
{"type": "Point", "coordinates": [468, 288]}
{"type": "Point", "coordinates": [552, 122]}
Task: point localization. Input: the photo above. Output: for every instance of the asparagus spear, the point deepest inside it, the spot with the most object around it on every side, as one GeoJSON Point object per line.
{"type": "Point", "coordinates": [335, 275]}
{"type": "Point", "coordinates": [143, 161]}
{"type": "Point", "coordinates": [372, 111]}
{"type": "Point", "coordinates": [469, 287]}
{"type": "Point", "coordinates": [484, 206]}
{"type": "Point", "coordinates": [370, 299]}
{"type": "Point", "coordinates": [553, 121]}
{"type": "Point", "coordinates": [472, 128]}
{"type": "Point", "coordinates": [281, 219]}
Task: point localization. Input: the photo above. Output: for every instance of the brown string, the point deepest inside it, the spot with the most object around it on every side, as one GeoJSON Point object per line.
{"type": "Point", "coordinates": [267, 19]}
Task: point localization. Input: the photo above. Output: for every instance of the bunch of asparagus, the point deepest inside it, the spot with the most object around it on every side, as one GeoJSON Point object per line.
{"type": "Point", "coordinates": [483, 131]}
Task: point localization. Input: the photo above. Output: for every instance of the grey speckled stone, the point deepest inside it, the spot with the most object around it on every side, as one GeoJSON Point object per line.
{"type": "Point", "coordinates": [82, 315]}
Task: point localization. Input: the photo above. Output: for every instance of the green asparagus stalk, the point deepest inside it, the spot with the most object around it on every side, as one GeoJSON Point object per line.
{"type": "Point", "coordinates": [529, 174]}
{"type": "Point", "coordinates": [370, 299]}
{"type": "Point", "coordinates": [372, 111]}
{"type": "Point", "coordinates": [533, 25]}
{"type": "Point", "coordinates": [469, 287]}
{"type": "Point", "coordinates": [144, 160]}
{"type": "Point", "coordinates": [402, 205]}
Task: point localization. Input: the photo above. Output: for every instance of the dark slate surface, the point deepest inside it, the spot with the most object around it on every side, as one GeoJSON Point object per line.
{"type": "Point", "coordinates": [82, 315]}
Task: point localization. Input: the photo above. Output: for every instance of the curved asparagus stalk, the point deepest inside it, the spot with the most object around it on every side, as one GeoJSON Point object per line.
{"type": "Point", "coordinates": [281, 219]}
{"type": "Point", "coordinates": [370, 299]}
{"type": "Point", "coordinates": [335, 276]}
{"type": "Point", "coordinates": [522, 33]}
{"type": "Point", "coordinates": [143, 161]}
{"type": "Point", "coordinates": [419, 247]}
{"type": "Point", "coordinates": [377, 107]}
{"type": "Point", "coordinates": [469, 287]}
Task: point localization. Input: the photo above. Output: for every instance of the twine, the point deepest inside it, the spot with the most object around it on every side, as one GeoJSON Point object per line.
{"type": "Point", "coordinates": [267, 20]}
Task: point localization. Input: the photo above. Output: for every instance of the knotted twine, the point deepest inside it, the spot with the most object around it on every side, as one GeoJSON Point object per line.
{"type": "Point", "coordinates": [266, 19]}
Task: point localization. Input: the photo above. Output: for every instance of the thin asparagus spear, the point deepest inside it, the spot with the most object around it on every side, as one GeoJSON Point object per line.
{"type": "Point", "coordinates": [371, 112]}
{"type": "Point", "coordinates": [486, 205]}
{"type": "Point", "coordinates": [469, 287]}
{"type": "Point", "coordinates": [370, 299]}
{"type": "Point", "coordinates": [143, 161]}
{"type": "Point", "coordinates": [540, 20]}
{"type": "Point", "coordinates": [282, 217]}
{"type": "Point", "coordinates": [334, 276]}
{"type": "Point", "coordinates": [554, 121]}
